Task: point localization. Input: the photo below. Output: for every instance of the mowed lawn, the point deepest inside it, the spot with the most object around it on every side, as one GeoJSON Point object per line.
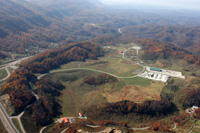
{"type": "Point", "coordinates": [113, 64]}
{"type": "Point", "coordinates": [3, 73]}
{"type": "Point", "coordinates": [138, 81]}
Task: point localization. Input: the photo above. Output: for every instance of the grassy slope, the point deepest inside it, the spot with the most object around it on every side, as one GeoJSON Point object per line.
{"type": "Point", "coordinates": [3, 73]}
{"type": "Point", "coordinates": [78, 95]}
{"type": "Point", "coordinates": [29, 126]}
{"type": "Point", "coordinates": [112, 63]}
{"type": "Point", "coordinates": [75, 96]}
{"type": "Point", "coordinates": [2, 129]}
{"type": "Point", "coordinates": [16, 123]}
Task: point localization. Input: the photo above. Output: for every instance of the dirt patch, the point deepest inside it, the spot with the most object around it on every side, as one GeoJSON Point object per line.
{"type": "Point", "coordinates": [134, 93]}
{"type": "Point", "coordinates": [111, 130]}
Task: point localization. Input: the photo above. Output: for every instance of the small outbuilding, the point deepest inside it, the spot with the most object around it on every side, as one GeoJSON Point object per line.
{"type": "Point", "coordinates": [80, 115]}
{"type": "Point", "coordinates": [65, 120]}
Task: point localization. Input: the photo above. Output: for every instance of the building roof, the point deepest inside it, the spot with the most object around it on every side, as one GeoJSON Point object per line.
{"type": "Point", "coordinates": [65, 120]}
{"type": "Point", "coordinates": [80, 114]}
{"type": "Point", "coordinates": [155, 69]}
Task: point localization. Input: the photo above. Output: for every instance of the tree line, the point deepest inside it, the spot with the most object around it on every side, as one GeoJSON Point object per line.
{"type": "Point", "coordinates": [145, 110]}
{"type": "Point", "coordinates": [52, 59]}
{"type": "Point", "coordinates": [100, 79]}
{"type": "Point", "coordinates": [18, 84]}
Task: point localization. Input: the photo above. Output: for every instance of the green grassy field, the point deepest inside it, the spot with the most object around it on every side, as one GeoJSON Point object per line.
{"type": "Point", "coordinates": [16, 123]}
{"type": "Point", "coordinates": [112, 63]}
{"type": "Point", "coordinates": [77, 95]}
{"type": "Point", "coordinates": [3, 73]}
{"type": "Point", "coordinates": [138, 81]}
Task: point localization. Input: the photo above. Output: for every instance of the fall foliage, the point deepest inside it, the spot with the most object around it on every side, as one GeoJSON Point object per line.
{"type": "Point", "coordinates": [131, 109]}
{"type": "Point", "coordinates": [18, 88]}
{"type": "Point", "coordinates": [160, 126]}
{"type": "Point", "coordinates": [52, 59]}
{"type": "Point", "coordinates": [192, 98]}
{"type": "Point", "coordinates": [47, 107]}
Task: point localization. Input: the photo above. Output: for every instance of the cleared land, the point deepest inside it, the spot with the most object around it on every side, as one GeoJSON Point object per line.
{"type": "Point", "coordinates": [135, 93]}
{"type": "Point", "coordinates": [3, 73]}
{"type": "Point", "coordinates": [78, 95]}
{"type": "Point", "coordinates": [16, 122]}
{"type": "Point", "coordinates": [111, 64]}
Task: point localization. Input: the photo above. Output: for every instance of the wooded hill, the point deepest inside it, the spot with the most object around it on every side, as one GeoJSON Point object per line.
{"type": "Point", "coordinates": [27, 26]}
{"type": "Point", "coordinates": [18, 84]}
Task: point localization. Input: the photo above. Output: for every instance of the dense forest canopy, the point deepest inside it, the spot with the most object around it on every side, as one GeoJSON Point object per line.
{"type": "Point", "coordinates": [43, 23]}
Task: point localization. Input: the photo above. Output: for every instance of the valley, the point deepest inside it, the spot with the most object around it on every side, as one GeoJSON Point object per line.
{"type": "Point", "coordinates": [84, 66]}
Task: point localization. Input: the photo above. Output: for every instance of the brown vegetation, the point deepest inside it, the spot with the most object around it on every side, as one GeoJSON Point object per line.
{"type": "Point", "coordinates": [100, 79]}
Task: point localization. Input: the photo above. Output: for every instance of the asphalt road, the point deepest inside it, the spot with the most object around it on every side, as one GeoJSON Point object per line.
{"type": "Point", "coordinates": [6, 120]}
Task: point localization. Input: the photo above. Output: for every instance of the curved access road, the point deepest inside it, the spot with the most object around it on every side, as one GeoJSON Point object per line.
{"type": "Point", "coordinates": [11, 65]}
{"type": "Point", "coordinates": [88, 69]}
{"type": "Point", "coordinates": [18, 117]}
{"type": "Point", "coordinates": [8, 75]}
{"type": "Point", "coordinates": [142, 128]}
{"type": "Point", "coordinates": [174, 126]}
{"type": "Point", "coordinates": [133, 61]}
{"type": "Point", "coordinates": [119, 30]}
{"type": "Point", "coordinates": [99, 71]}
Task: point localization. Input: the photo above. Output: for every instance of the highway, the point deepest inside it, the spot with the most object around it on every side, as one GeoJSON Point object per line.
{"type": "Point", "coordinates": [6, 120]}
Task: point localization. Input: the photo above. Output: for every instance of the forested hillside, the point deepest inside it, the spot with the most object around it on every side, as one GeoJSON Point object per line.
{"type": "Point", "coordinates": [54, 58]}
{"type": "Point", "coordinates": [183, 36]}
{"type": "Point", "coordinates": [31, 26]}
{"type": "Point", "coordinates": [18, 84]}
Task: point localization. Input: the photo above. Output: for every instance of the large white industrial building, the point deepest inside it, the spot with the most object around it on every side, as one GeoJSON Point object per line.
{"type": "Point", "coordinates": [160, 74]}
